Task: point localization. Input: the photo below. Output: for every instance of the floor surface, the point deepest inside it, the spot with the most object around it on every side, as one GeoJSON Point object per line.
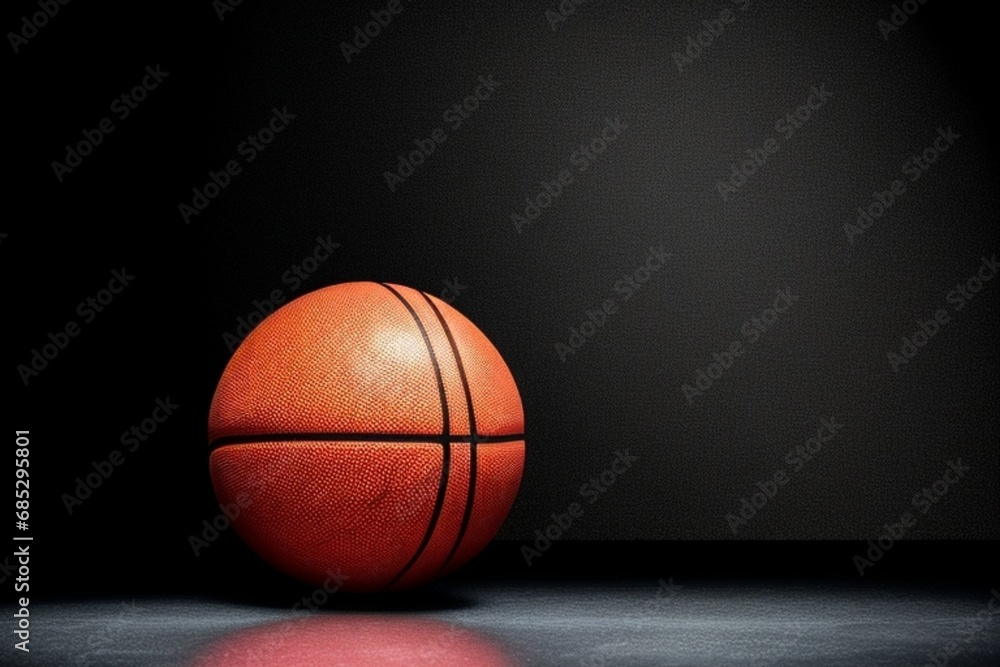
{"type": "Point", "coordinates": [663, 622]}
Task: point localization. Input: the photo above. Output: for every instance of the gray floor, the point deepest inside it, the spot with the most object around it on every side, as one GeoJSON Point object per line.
{"type": "Point", "coordinates": [591, 625]}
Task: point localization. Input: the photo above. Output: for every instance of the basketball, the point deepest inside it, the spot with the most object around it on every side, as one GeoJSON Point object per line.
{"type": "Point", "coordinates": [371, 435]}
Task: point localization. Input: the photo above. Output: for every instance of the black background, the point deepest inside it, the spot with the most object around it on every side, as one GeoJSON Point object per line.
{"type": "Point", "coordinates": [654, 186]}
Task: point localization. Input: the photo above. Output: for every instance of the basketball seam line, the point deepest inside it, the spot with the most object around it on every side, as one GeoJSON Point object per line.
{"type": "Point", "coordinates": [471, 491]}
{"type": "Point", "coordinates": [445, 444]}
{"type": "Point", "coordinates": [229, 440]}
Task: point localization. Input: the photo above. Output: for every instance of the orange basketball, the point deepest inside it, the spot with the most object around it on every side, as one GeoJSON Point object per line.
{"type": "Point", "coordinates": [371, 435]}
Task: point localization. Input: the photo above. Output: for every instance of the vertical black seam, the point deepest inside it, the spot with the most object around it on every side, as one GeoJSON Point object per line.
{"type": "Point", "coordinates": [445, 442]}
{"type": "Point", "coordinates": [473, 435]}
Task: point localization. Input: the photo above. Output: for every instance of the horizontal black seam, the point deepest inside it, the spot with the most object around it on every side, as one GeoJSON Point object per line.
{"type": "Point", "coordinates": [361, 437]}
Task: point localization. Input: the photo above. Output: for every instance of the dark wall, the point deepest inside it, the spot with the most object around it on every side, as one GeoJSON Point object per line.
{"type": "Point", "coordinates": [617, 306]}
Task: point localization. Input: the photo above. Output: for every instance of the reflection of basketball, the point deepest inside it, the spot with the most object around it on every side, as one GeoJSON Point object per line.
{"type": "Point", "coordinates": [356, 640]}
{"type": "Point", "coordinates": [371, 434]}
